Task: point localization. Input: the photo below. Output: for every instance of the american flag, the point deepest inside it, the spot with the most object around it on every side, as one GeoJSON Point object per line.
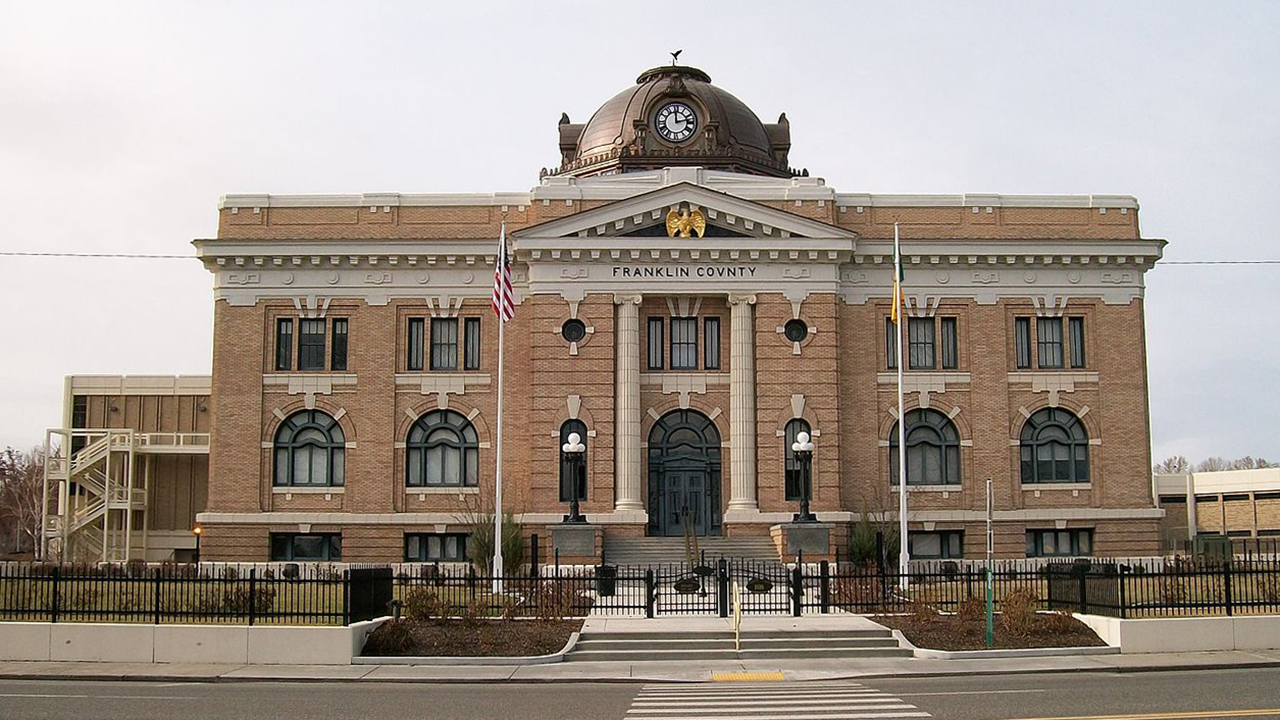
{"type": "Point", "coordinates": [503, 298]}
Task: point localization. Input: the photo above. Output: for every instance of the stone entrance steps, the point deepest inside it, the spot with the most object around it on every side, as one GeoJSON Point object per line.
{"type": "Point", "coordinates": [671, 550]}
{"type": "Point", "coordinates": [756, 645]}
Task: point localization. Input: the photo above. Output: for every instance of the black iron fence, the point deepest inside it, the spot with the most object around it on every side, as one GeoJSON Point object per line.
{"type": "Point", "coordinates": [1184, 587]}
{"type": "Point", "coordinates": [322, 595]}
{"type": "Point", "coordinates": [175, 593]}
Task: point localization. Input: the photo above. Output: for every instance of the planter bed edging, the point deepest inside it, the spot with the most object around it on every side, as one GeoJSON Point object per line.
{"type": "Point", "coordinates": [996, 653]}
{"type": "Point", "coordinates": [469, 660]}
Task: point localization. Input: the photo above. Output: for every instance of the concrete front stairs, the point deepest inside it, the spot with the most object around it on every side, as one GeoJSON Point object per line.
{"type": "Point", "coordinates": [671, 550]}
{"type": "Point", "coordinates": [711, 639]}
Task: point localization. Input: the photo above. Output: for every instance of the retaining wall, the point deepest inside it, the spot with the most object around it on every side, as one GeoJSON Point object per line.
{"type": "Point", "coordinates": [1149, 635]}
{"type": "Point", "coordinates": [232, 644]}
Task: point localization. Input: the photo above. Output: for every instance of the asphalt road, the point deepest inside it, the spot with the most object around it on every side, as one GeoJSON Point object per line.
{"type": "Point", "coordinates": [1129, 696]}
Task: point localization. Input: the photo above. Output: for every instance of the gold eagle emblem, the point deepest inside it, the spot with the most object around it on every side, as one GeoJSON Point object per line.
{"type": "Point", "coordinates": [685, 223]}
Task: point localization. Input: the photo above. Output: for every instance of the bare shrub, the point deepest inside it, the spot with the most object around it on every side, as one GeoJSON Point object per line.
{"type": "Point", "coordinates": [858, 593]}
{"type": "Point", "coordinates": [1018, 612]}
{"type": "Point", "coordinates": [1173, 591]}
{"type": "Point", "coordinates": [390, 638]}
{"type": "Point", "coordinates": [422, 604]}
{"type": "Point", "coordinates": [1059, 622]}
{"type": "Point", "coordinates": [971, 611]}
{"type": "Point", "coordinates": [240, 601]}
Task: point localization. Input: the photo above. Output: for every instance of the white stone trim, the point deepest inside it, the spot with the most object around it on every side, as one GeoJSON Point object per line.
{"type": "Point", "coordinates": [139, 384]}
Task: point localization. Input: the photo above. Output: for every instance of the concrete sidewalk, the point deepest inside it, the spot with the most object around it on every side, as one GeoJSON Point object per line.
{"type": "Point", "coordinates": [637, 672]}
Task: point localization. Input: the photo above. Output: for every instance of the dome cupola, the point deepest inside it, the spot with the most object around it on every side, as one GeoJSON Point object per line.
{"type": "Point", "coordinates": [674, 116]}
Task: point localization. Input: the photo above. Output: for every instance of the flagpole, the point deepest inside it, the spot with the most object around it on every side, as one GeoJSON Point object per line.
{"type": "Point", "coordinates": [903, 551]}
{"type": "Point", "coordinates": [497, 446]}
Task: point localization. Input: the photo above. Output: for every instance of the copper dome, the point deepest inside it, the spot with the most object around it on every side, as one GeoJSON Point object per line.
{"type": "Point", "coordinates": [620, 136]}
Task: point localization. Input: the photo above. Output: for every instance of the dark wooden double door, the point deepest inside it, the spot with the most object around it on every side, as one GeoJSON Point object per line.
{"type": "Point", "coordinates": [684, 475]}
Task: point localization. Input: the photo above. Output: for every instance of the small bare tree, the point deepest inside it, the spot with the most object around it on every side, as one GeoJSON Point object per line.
{"type": "Point", "coordinates": [21, 494]}
{"type": "Point", "coordinates": [1175, 465]}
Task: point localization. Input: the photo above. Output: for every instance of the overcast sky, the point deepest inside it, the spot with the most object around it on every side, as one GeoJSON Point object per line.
{"type": "Point", "coordinates": [121, 123]}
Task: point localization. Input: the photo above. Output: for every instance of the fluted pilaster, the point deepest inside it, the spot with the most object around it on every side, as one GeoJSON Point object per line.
{"type": "Point", "coordinates": [626, 466]}
{"type": "Point", "coordinates": [742, 404]}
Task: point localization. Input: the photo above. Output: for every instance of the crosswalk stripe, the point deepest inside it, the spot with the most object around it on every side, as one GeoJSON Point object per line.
{"type": "Point", "coordinates": [771, 701]}
{"type": "Point", "coordinates": [810, 694]}
{"type": "Point", "coordinates": [830, 700]}
{"type": "Point", "coordinates": [798, 716]}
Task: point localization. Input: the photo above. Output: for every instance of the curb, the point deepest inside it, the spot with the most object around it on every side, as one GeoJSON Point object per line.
{"type": "Point", "coordinates": [474, 661]}
{"type": "Point", "coordinates": [162, 677]}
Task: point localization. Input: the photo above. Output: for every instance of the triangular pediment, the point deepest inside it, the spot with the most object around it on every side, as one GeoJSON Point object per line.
{"type": "Point", "coordinates": [644, 216]}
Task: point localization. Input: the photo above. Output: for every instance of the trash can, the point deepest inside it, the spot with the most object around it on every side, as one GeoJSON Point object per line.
{"type": "Point", "coordinates": [606, 580]}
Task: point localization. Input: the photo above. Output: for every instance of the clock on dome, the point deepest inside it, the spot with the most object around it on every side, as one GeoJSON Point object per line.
{"type": "Point", "coordinates": [676, 122]}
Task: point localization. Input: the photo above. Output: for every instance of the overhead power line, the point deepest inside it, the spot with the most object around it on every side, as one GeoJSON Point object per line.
{"type": "Point", "coordinates": [132, 256]}
{"type": "Point", "coordinates": [154, 256]}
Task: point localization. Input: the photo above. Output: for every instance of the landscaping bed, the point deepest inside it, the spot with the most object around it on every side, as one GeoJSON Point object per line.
{"type": "Point", "coordinates": [1018, 625]}
{"type": "Point", "coordinates": [454, 637]}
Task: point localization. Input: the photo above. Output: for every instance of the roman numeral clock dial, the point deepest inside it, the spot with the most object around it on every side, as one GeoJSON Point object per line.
{"type": "Point", "coordinates": [676, 122]}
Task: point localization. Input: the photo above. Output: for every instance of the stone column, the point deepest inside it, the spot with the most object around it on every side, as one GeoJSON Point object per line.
{"type": "Point", "coordinates": [626, 408]}
{"type": "Point", "coordinates": [742, 406]}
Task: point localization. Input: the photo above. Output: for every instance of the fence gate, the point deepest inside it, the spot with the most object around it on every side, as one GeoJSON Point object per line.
{"type": "Point", "coordinates": [369, 591]}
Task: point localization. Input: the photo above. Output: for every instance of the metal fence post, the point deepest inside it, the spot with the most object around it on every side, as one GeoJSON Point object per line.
{"type": "Point", "coordinates": [722, 587]}
{"type": "Point", "coordinates": [533, 555]}
{"type": "Point", "coordinates": [157, 596]}
{"type": "Point", "coordinates": [1226, 585]}
{"type": "Point", "coordinates": [650, 593]}
{"type": "Point", "coordinates": [825, 586]}
{"type": "Point", "coordinates": [1120, 578]}
{"type": "Point", "coordinates": [346, 597]}
{"type": "Point", "coordinates": [797, 590]}
{"type": "Point", "coordinates": [56, 597]}
{"type": "Point", "coordinates": [1084, 604]}
{"type": "Point", "coordinates": [253, 586]}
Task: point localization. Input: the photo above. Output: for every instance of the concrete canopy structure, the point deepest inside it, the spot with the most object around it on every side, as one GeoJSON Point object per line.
{"type": "Point", "coordinates": [353, 388]}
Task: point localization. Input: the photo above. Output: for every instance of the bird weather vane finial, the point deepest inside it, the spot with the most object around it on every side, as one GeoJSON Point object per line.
{"type": "Point", "coordinates": [675, 57]}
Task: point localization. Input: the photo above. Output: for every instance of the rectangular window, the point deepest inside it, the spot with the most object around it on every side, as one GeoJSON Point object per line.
{"type": "Point", "coordinates": [1049, 342]}
{"type": "Point", "coordinates": [435, 547]}
{"type": "Point", "coordinates": [949, 347]}
{"type": "Point", "coordinates": [1077, 342]}
{"type": "Point", "coordinates": [1173, 500]}
{"type": "Point", "coordinates": [311, 345]}
{"type": "Point", "coordinates": [338, 355]}
{"type": "Point", "coordinates": [942, 545]}
{"type": "Point", "coordinates": [1059, 543]}
{"type": "Point", "coordinates": [1022, 341]}
{"type": "Point", "coordinates": [284, 344]}
{"type": "Point", "coordinates": [684, 343]}
{"type": "Point", "coordinates": [920, 344]}
{"type": "Point", "coordinates": [471, 358]}
{"type": "Point", "coordinates": [891, 343]}
{"type": "Point", "coordinates": [444, 343]}
{"type": "Point", "coordinates": [415, 341]}
{"type": "Point", "coordinates": [310, 547]}
{"type": "Point", "coordinates": [711, 343]}
{"type": "Point", "coordinates": [655, 343]}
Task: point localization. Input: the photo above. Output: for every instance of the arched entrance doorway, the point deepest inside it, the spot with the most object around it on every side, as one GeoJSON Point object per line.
{"type": "Point", "coordinates": [684, 474]}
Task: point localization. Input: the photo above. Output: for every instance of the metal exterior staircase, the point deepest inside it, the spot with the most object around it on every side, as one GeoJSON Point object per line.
{"type": "Point", "coordinates": [93, 493]}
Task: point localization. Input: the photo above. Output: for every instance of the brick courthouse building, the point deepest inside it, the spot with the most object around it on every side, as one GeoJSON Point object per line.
{"type": "Point", "coordinates": [352, 406]}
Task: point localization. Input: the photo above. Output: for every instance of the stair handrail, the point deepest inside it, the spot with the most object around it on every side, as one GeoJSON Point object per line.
{"type": "Point", "coordinates": [737, 617]}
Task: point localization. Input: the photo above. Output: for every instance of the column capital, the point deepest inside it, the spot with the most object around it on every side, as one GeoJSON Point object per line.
{"type": "Point", "coordinates": [627, 298]}
{"type": "Point", "coordinates": [740, 298]}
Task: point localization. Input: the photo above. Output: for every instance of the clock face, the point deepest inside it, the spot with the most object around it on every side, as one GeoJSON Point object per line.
{"type": "Point", "coordinates": [676, 122]}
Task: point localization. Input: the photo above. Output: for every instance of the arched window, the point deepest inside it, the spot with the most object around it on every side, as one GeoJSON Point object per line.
{"type": "Point", "coordinates": [442, 451]}
{"type": "Point", "coordinates": [309, 450]}
{"type": "Point", "coordinates": [793, 479]}
{"type": "Point", "coordinates": [1054, 448]}
{"type": "Point", "coordinates": [933, 450]}
{"type": "Point", "coordinates": [566, 468]}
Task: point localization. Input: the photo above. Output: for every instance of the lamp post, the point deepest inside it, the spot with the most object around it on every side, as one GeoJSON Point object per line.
{"type": "Point", "coordinates": [197, 531]}
{"type": "Point", "coordinates": [574, 453]}
{"type": "Point", "coordinates": [803, 450]}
